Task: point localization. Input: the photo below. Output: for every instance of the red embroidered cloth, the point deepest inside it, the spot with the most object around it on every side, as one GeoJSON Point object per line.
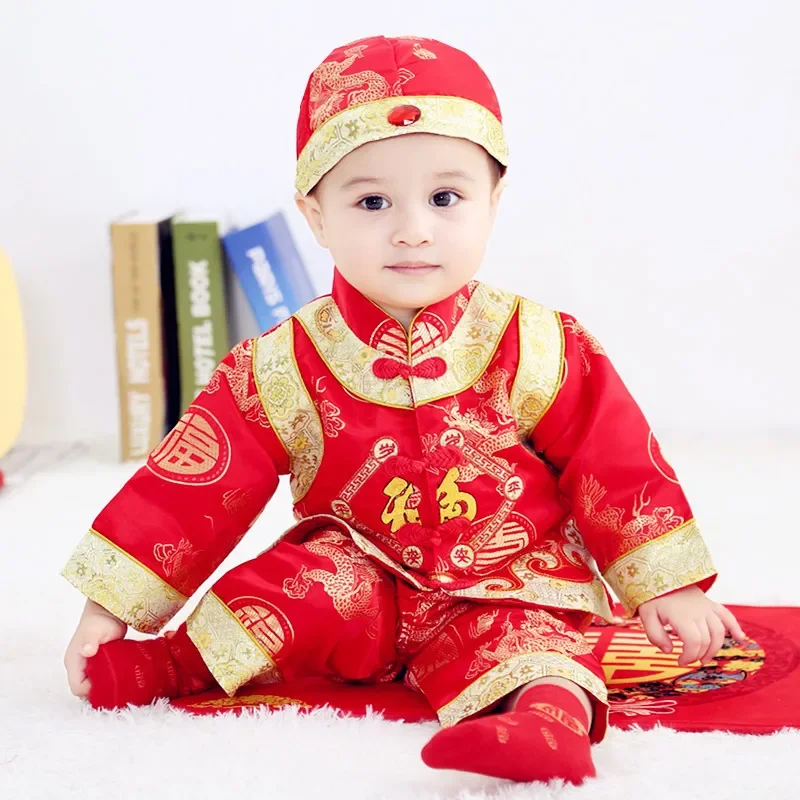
{"type": "Point", "coordinates": [749, 688]}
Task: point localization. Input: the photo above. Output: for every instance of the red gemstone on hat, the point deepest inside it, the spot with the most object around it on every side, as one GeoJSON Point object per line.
{"type": "Point", "coordinates": [404, 115]}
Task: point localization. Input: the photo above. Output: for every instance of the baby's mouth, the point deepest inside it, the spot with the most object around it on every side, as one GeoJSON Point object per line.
{"type": "Point", "coordinates": [413, 267]}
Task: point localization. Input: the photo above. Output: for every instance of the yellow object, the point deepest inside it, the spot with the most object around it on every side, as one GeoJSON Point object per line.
{"type": "Point", "coordinates": [13, 370]}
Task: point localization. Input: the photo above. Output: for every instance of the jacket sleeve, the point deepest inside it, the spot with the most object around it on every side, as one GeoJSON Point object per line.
{"type": "Point", "coordinates": [626, 499]}
{"type": "Point", "coordinates": [179, 516]}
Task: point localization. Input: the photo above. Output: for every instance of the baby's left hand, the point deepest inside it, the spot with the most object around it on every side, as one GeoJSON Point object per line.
{"type": "Point", "coordinates": [699, 623]}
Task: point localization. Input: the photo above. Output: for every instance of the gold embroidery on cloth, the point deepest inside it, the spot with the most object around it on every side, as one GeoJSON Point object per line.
{"type": "Point", "coordinates": [291, 411]}
{"type": "Point", "coordinates": [238, 377]}
{"type": "Point", "coordinates": [541, 342]}
{"type": "Point", "coordinates": [540, 590]}
{"type": "Point", "coordinates": [348, 358]}
{"type": "Point", "coordinates": [587, 344]}
{"type": "Point", "coordinates": [130, 591]}
{"type": "Point", "coordinates": [197, 451]}
{"type": "Point", "coordinates": [513, 673]}
{"type": "Point", "coordinates": [349, 587]}
{"type": "Point", "coordinates": [471, 347]}
{"type": "Point", "coordinates": [232, 654]}
{"type": "Point", "coordinates": [366, 546]}
{"type": "Point", "coordinates": [468, 351]}
{"type": "Point", "coordinates": [674, 560]}
{"type": "Point", "coordinates": [539, 632]}
{"type": "Point", "coordinates": [329, 88]}
{"type": "Point", "coordinates": [273, 701]}
{"type": "Point", "coordinates": [265, 622]}
{"type": "Point", "coordinates": [368, 122]}
{"type": "Point", "coordinates": [399, 510]}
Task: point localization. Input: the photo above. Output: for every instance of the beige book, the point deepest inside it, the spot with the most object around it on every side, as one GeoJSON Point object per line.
{"type": "Point", "coordinates": [138, 325]}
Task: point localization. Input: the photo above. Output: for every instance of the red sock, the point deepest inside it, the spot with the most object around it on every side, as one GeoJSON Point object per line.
{"type": "Point", "coordinates": [127, 671]}
{"type": "Point", "coordinates": [544, 737]}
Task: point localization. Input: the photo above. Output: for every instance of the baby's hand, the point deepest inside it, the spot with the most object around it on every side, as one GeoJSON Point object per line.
{"type": "Point", "coordinates": [97, 626]}
{"type": "Point", "coordinates": [698, 622]}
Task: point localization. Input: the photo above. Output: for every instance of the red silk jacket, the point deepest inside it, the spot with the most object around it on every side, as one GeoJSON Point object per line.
{"type": "Point", "coordinates": [492, 453]}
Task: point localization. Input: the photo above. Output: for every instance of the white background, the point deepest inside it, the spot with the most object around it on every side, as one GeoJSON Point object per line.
{"type": "Point", "coordinates": [654, 187]}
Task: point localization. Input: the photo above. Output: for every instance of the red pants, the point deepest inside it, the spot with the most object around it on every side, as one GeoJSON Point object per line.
{"type": "Point", "coordinates": [322, 608]}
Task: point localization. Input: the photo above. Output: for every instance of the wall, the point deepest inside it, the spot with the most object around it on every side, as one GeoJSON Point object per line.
{"type": "Point", "coordinates": [654, 190]}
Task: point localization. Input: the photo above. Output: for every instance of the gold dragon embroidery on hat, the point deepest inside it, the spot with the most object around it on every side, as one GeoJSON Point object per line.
{"type": "Point", "coordinates": [329, 87]}
{"type": "Point", "coordinates": [419, 51]}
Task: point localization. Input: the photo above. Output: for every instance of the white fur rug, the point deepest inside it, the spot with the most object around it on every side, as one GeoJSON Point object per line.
{"type": "Point", "coordinates": [54, 746]}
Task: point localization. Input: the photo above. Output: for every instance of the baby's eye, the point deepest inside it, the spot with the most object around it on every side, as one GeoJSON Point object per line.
{"type": "Point", "coordinates": [373, 203]}
{"type": "Point", "coordinates": [444, 199]}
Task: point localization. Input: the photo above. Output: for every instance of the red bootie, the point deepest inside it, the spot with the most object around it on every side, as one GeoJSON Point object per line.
{"type": "Point", "coordinates": [132, 672]}
{"type": "Point", "coordinates": [545, 736]}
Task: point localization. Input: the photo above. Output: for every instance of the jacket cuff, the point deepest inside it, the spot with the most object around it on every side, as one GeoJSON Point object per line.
{"type": "Point", "coordinates": [122, 585]}
{"type": "Point", "coordinates": [674, 560]}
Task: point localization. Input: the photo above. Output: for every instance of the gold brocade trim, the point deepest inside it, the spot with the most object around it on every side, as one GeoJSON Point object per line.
{"type": "Point", "coordinates": [540, 590]}
{"type": "Point", "coordinates": [369, 122]}
{"type": "Point", "coordinates": [513, 673]}
{"type": "Point", "coordinates": [347, 357]}
{"type": "Point", "coordinates": [122, 585]}
{"type": "Point", "coordinates": [367, 547]}
{"type": "Point", "coordinates": [470, 348]}
{"type": "Point", "coordinates": [288, 406]}
{"type": "Point", "coordinates": [468, 351]}
{"type": "Point", "coordinates": [674, 560]}
{"type": "Point", "coordinates": [541, 364]}
{"type": "Point", "coordinates": [232, 654]}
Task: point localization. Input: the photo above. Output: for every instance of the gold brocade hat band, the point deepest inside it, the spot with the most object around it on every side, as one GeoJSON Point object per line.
{"type": "Point", "coordinates": [396, 116]}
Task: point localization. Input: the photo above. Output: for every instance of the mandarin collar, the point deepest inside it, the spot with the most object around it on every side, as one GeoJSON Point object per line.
{"type": "Point", "coordinates": [431, 326]}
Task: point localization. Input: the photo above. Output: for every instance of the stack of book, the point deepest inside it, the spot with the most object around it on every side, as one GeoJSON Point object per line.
{"type": "Point", "coordinates": [183, 295]}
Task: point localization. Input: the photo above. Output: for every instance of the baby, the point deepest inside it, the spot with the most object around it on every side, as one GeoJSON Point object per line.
{"type": "Point", "coordinates": [465, 464]}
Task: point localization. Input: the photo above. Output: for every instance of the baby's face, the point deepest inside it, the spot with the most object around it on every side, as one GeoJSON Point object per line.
{"type": "Point", "coordinates": [407, 219]}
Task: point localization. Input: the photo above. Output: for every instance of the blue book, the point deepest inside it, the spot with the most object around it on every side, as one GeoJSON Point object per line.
{"type": "Point", "coordinates": [268, 266]}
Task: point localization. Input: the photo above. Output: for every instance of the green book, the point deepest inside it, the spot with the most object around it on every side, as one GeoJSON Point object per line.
{"type": "Point", "coordinates": [200, 303]}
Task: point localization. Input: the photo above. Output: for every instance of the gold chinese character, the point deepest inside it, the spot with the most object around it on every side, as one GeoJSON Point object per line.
{"type": "Point", "coordinates": [399, 491]}
{"type": "Point", "coordinates": [453, 502]}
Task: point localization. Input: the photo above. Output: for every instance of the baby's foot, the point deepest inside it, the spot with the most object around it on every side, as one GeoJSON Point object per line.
{"type": "Point", "coordinates": [544, 737]}
{"type": "Point", "coordinates": [137, 672]}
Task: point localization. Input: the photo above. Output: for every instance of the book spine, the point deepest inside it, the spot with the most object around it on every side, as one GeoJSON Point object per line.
{"type": "Point", "coordinates": [137, 319]}
{"type": "Point", "coordinates": [169, 318]}
{"type": "Point", "coordinates": [250, 267]}
{"type": "Point", "coordinates": [200, 305]}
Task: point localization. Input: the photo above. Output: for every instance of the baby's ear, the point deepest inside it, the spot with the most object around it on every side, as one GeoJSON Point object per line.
{"type": "Point", "coordinates": [496, 194]}
{"type": "Point", "coordinates": [310, 209]}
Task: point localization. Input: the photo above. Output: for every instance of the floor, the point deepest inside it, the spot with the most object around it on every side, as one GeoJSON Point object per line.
{"type": "Point", "coordinates": [54, 746]}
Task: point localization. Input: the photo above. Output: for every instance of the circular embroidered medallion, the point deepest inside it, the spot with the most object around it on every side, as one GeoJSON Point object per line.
{"type": "Point", "coordinates": [195, 451]}
{"type": "Point", "coordinates": [266, 622]}
{"type": "Point", "coordinates": [412, 556]}
{"type": "Point", "coordinates": [385, 448]}
{"type": "Point", "coordinates": [462, 556]}
{"type": "Point", "coordinates": [342, 509]}
{"type": "Point", "coordinates": [452, 437]}
{"type": "Point", "coordinates": [513, 487]}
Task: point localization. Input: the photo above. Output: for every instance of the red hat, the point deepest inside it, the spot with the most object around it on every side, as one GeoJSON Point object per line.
{"type": "Point", "coordinates": [380, 87]}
